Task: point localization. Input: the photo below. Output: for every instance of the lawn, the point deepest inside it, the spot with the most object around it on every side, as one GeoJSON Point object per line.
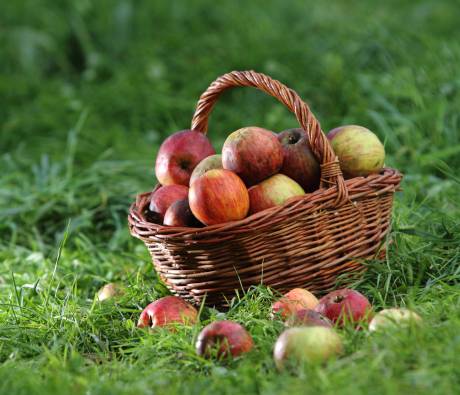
{"type": "Point", "coordinates": [89, 90]}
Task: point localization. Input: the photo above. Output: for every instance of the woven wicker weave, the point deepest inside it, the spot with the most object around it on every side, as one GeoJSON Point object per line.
{"type": "Point", "coordinates": [307, 242]}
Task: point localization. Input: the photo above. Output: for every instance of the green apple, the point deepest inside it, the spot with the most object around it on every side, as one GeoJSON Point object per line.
{"type": "Point", "coordinates": [392, 318]}
{"type": "Point", "coordinates": [304, 345]}
{"type": "Point", "coordinates": [360, 151]}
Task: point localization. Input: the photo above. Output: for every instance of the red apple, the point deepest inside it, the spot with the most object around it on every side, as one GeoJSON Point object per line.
{"type": "Point", "coordinates": [166, 311]}
{"type": "Point", "coordinates": [218, 196]}
{"type": "Point", "coordinates": [209, 163]}
{"type": "Point", "coordinates": [179, 154]}
{"type": "Point", "coordinates": [345, 305]}
{"type": "Point", "coordinates": [223, 339]}
{"type": "Point", "coordinates": [394, 318]}
{"type": "Point", "coordinates": [308, 317]}
{"type": "Point", "coordinates": [305, 345]}
{"type": "Point", "coordinates": [299, 162]}
{"type": "Point", "coordinates": [273, 191]}
{"type": "Point", "coordinates": [360, 151]}
{"type": "Point", "coordinates": [179, 214]}
{"type": "Point", "coordinates": [253, 153]}
{"type": "Point", "coordinates": [296, 299]}
{"type": "Point", "coordinates": [166, 195]}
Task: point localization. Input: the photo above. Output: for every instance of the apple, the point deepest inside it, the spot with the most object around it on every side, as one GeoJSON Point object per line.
{"type": "Point", "coordinates": [166, 195]}
{"type": "Point", "coordinates": [273, 191]}
{"type": "Point", "coordinates": [308, 317]}
{"type": "Point", "coordinates": [179, 214]}
{"type": "Point", "coordinates": [167, 311]}
{"type": "Point", "coordinates": [304, 345]}
{"type": "Point", "coordinates": [209, 163]}
{"type": "Point", "coordinates": [345, 305]}
{"type": "Point", "coordinates": [179, 154]}
{"type": "Point", "coordinates": [252, 153]}
{"type": "Point", "coordinates": [218, 196]}
{"type": "Point", "coordinates": [299, 162]}
{"type": "Point", "coordinates": [296, 299]}
{"type": "Point", "coordinates": [110, 291]}
{"type": "Point", "coordinates": [395, 317]}
{"type": "Point", "coordinates": [223, 339]}
{"type": "Point", "coordinates": [360, 151]}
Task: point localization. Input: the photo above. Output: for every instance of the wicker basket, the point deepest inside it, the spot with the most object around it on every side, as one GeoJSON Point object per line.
{"type": "Point", "coordinates": [307, 242]}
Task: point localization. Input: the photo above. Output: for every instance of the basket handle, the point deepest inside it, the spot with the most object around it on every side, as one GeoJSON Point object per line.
{"type": "Point", "coordinates": [331, 174]}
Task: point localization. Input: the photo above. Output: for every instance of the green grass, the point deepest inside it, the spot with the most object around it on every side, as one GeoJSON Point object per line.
{"type": "Point", "coordinates": [89, 90]}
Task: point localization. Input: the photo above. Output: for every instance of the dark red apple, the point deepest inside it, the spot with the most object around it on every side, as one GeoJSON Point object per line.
{"type": "Point", "coordinates": [218, 196]}
{"type": "Point", "coordinates": [209, 163]}
{"type": "Point", "coordinates": [308, 317]}
{"type": "Point", "coordinates": [166, 195]}
{"type": "Point", "coordinates": [299, 162]}
{"type": "Point", "coordinates": [223, 339]}
{"type": "Point", "coordinates": [252, 153]}
{"type": "Point", "coordinates": [179, 154]}
{"type": "Point", "coordinates": [296, 299]}
{"type": "Point", "coordinates": [179, 214]}
{"type": "Point", "coordinates": [166, 311]}
{"type": "Point", "coordinates": [273, 191]}
{"type": "Point", "coordinates": [345, 305]}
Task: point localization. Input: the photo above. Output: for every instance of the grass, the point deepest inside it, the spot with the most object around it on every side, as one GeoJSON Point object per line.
{"type": "Point", "coordinates": [88, 92]}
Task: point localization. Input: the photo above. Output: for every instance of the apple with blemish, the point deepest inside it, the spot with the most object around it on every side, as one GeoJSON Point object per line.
{"type": "Point", "coordinates": [345, 306]}
{"type": "Point", "coordinates": [218, 196]}
{"type": "Point", "coordinates": [299, 162]}
{"type": "Point", "coordinates": [253, 153]}
{"type": "Point", "coordinates": [165, 196]}
{"type": "Point", "coordinates": [223, 339]}
{"type": "Point", "coordinates": [179, 214]}
{"type": "Point", "coordinates": [359, 150]}
{"type": "Point", "coordinates": [179, 154]}
{"type": "Point", "coordinates": [294, 300]}
{"type": "Point", "coordinates": [167, 311]}
{"type": "Point", "coordinates": [273, 191]}
{"type": "Point", "coordinates": [209, 163]}
{"type": "Point", "coordinates": [306, 345]}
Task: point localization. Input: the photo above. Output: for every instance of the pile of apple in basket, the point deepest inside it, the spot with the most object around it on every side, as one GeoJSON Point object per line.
{"type": "Point", "coordinates": [257, 169]}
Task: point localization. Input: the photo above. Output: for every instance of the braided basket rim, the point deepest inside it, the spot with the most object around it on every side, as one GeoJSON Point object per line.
{"type": "Point", "coordinates": [389, 176]}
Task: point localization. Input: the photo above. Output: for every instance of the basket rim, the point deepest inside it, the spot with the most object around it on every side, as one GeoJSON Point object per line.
{"type": "Point", "coordinates": [387, 181]}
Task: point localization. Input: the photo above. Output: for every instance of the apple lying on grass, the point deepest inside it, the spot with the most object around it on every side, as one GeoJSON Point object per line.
{"type": "Point", "coordinates": [218, 196]}
{"type": "Point", "coordinates": [179, 154]}
{"type": "Point", "coordinates": [299, 162]}
{"type": "Point", "coordinates": [223, 339]}
{"type": "Point", "coordinates": [360, 151]}
{"type": "Point", "coordinates": [165, 196]}
{"type": "Point", "coordinates": [209, 163]}
{"type": "Point", "coordinates": [253, 153]}
{"type": "Point", "coordinates": [308, 317]}
{"type": "Point", "coordinates": [273, 191]}
{"type": "Point", "coordinates": [167, 311]}
{"type": "Point", "coordinates": [296, 299]}
{"type": "Point", "coordinates": [394, 318]}
{"type": "Point", "coordinates": [302, 345]}
{"type": "Point", "coordinates": [179, 214]}
{"type": "Point", "coordinates": [345, 306]}
{"type": "Point", "coordinates": [110, 291]}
